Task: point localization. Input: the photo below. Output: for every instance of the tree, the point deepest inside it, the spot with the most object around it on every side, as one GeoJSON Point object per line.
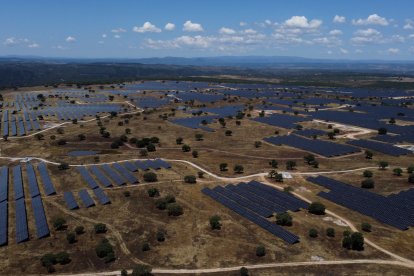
{"type": "Point", "coordinates": [104, 248]}
{"type": "Point", "coordinates": [174, 209]}
{"type": "Point", "coordinates": [200, 174]}
{"type": "Point", "coordinates": [215, 222]}
{"type": "Point", "coordinates": [367, 173]}
{"type": "Point", "coordinates": [79, 230]}
{"type": "Point", "coordinates": [124, 272]}
{"type": "Point", "coordinates": [153, 192]}
{"type": "Point", "coordinates": [411, 178]}
{"type": "Point", "coordinates": [367, 183]}
{"type": "Point", "coordinates": [260, 251]}
{"type": "Point", "coordinates": [357, 241]}
{"type": "Point", "coordinates": [160, 236]}
{"type": "Point", "coordinates": [190, 179]}
{"type": "Point", "coordinates": [366, 227]}
{"type": "Point", "coordinates": [151, 147]}
{"type": "Point", "coordinates": [150, 177]}
{"type": "Point", "coordinates": [179, 140]}
{"type": "Point", "coordinates": [228, 132]}
{"type": "Point", "coordinates": [127, 194]}
{"type": "Point", "coordinates": [71, 237]}
{"type": "Point", "coordinates": [383, 165]}
{"type": "Point", "coordinates": [100, 228]}
{"type": "Point", "coordinates": [48, 260]}
{"type": "Point", "coordinates": [195, 153]}
{"type": "Point", "coordinates": [59, 223]}
{"type": "Point", "coordinates": [244, 271]}
{"type": "Point", "coordinates": [331, 135]}
{"type": "Point", "coordinates": [316, 208]}
{"type": "Point", "coordinates": [382, 131]}
{"type": "Point", "coordinates": [347, 242]}
{"type": "Point", "coordinates": [39, 136]}
{"type": "Point", "coordinates": [273, 174]}
{"type": "Point", "coordinates": [238, 169]}
{"type": "Point", "coordinates": [81, 137]}
{"type": "Point", "coordinates": [61, 142]}
{"type": "Point", "coordinates": [273, 163]}
{"type": "Point", "coordinates": [398, 171]}
{"type": "Point", "coordinates": [62, 258]}
{"type": "Point", "coordinates": [223, 167]}
{"type": "Point", "coordinates": [145, 247]}
{"type": "Point", "coordinates": [284, 219]}
{"type": "Point", "coordinates": [290, 165]}
{"type": "Point", "coordinates": [309, 158]}
{"type": "Point", "coordinates": [198, 136]}
{"type": "Point", "coordinates": [127, 131]}
{"type": "Point", "coordinates": [330, 232]}
{"type": "Point", "coordinates": [410, 169]}
{"type": "Point", "coordinates": [141, 270]}
{"type": "Point", "coordinates": [143, 152]}
{"type": "Point", "coordinates": [368, 154]}
{"type": "Point", "coordinates": [313, 233]}
{"type": "Point", "coordinates": [257, 144]}
{"type": "Point", "coordinates": [186, 148]}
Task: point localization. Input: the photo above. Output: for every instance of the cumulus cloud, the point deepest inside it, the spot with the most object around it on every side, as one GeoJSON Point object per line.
{"type": "Point", "coordinates": [302, 22]}
{"type": "Point", "coordinates": [343, 51]}
{"type": "Point", "coordinates": [367, 36]}
{"type": "Point", "coordinates": [192, 27]}
{"type": "Point", "coordinates": [393, 51]}
{"type": "Point", "coordinates": [169, 27]}
{"type": "Point", "coordinates": [119, 30]}
{"type": "Point", "coordinates": [249, 31]}
{"type": "Point", "coordinates": [147, 27]}
{"type": "Point", "coordinates": [117, 36]}
{"type": "Point", "coordinates": [227, 31]}
{"type": "Point", "coordinates": [33, 45]}
{"type": "Point", "coordinates": [13, 41]}
{"type": "Point", "coordinates": [373, 19]}
{"type": "Point", "coordinates": [242, 24]}
{"type": "Point", "coordinates": [104, 35]}
{"type": "Point", "coordinates": [408, 26]}
{"type": "Point", "coordinates": [339, 19]}
{"type": "Point", "coordinates": [70, 39]}
{"type": "Point", "coordinates": [335, 32]}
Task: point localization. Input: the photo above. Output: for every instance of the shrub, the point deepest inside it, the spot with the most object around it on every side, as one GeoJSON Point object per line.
{"type": "Point", "coordinates": [59, 223]}
{"type": "Point", "coordinates": [397, 171]}
{"type": "Point", "coordinates": [161, 203]}
{"type": "Point", "coordinates": [411, 178]}
{"type": "Point", "coordinates": [153, 192]}
{"type": "Point", "coordinates": [316, 208]}
{"type": "Point", "coordinates": [48, 259]}
{"type": "Point", "coordinates": [410, 169]}
{"type": "Point", "coordinates": [244, 271]}
{"type": "Point", "coordinates": [100, 228]}
{"type": "Point", "coordinates": [357, 241]}
{"type": "Point", "coordinates": [367, 173]}
{"type": "Point", "coordinates": [330, 232]}
{"type": "Point", "coordinates": [366, 227]}
{"type": "Point", "coordinates": [313, 233]}
{"type": "Point", "coordinates": [215, 222]}
{"type": "Point", "coordinates": [174, 209]}
{"type": "Point", "coordinates": [367, 183]}
{"type": "Point", "coordinates": [383, 164]}
{"type": "Point", "coordinates": [238, 169]}
{"type": "Point", "coordinates": [79, 230]}
{"type": "Point", "coordinates": [284, 219]}
{"type": "Point", "coordinates": [141, 270]}
{"type": "Point", "coordinates": [145, 247]}
{"type": "Point", "coordinates": [191, 179]}
{"type": "Point", "coordinates": [228, 132]}
{"type": "Point", "coordinates": [186, 148]}
{"type": "Point", "coordinates": [150, 177]}
{"type": "Point", "coordinates": [104, 248]}
{"type": "Point", "coordinates": [71, 237]}
{"type": "Point", "coordinates": [62, 258]}
{"type": "Point", "coordinates": [195, 153]}
{"type": "Point", "coordinates": [223, 167]}
{"type": "Point", "coordinates": [127, 194]}
{"type": "Point", "coordinates": [179, 141]}
{"type": "Point", "coordinates": [124, 272]}
{"type": "Point", "coordinates": [160, 236]}
{"type": "Point", "coordinates": [151, 147]}
{"type": "Point", "coordinates": [260, 251]}
{"type": "Point", "coordinates": [347, 242]}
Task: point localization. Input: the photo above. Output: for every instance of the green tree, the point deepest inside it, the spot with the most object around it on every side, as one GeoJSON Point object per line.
{"type": "Point", "coordinates": [257, 144]}
{"type": "Point", "coordinates": [368, 173]}
{"type": "Point", "coordinates": [368, 154]}
{"type": "Point", "coordinates": [160, 236]}
{"type": "Point", "coordinates": [141, 270]}
{"type": "Point", "coordinates": [223, 167]}
{"type": "Point", "coordinates": [398, 171]}
{"type": "Point", "coordinates": [186, 148]}
{"type": "Point", "coordinates": [383, 165]}
{"type": "Point", "coordinates": [347, 242]}
{"type": "Point", "coordinates": [79, 230]}
{"type": "Point", "coordinates": [330, 232]}
{"type": "Point", "coordinates": [59, 223]}
{"type": "Point", "coordinates": [367, 183]}
{"type": "Point", "coordinates": [238, 168]}
{"type": "Point", "coordinates": [71, 237]}
{"type": "Point", "coordinates": [357, 241]}
{"type": "Point", "coordinates": [260, 251]}
{"type": "Point", "coordinates": [365, 226]}
{"type": "Point", "coordinates": [313, 233]}
{"type": "Point", "coordinates": [284, 219]}
{"type": "Point", "coordinates": [410, 169]}
{"type": "Point", "coordinates": [290, 165]}
{"type": "Point", "coordinates": [100, 228]}
{"type": "Point", "coordinates": [244, 271]}
{"type": "Point", "coordinates": [309, 158]}
{"type": "Point", "coordinates": [150, 177]}
{"type": "Point", "coordinates": [39, 136]}
{"type": "Point", "coordinates": [175, 209]}
{"type": "Point", "coordinates": [273, 163]}
{"type": "Point", "coordinates": [124, 272]}
{"type": "Point", "coordinates": [411, 178]}
{"type": "Point", "coordinates": [153, 192]}
{"type": "Point", "coordinates": [103, 248]}
{"type": "Point", "coordinates": [195, 154]}
{"type": "Point", "coordinates": [198, 136]}
{"type": "Point", "coordinates": [215, 222]}
{"type": "Point", "coordinates": [190, 179]}
{"type": "Point", "coordinates": [228, 132]}
{"type": "Point", "coordinates": [179, 140]}
{"type": "Point", "coordinates": [316, 208]}
{"type": "Point", "coordinates": [145, 247]}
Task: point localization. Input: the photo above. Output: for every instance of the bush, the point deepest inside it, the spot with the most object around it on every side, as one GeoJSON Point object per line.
{"type": "Point", "coordinates": [59, 223]}
{"type": "Point", "coordinates": [215, 222]}
{"type": "Point", "coordinates": [223, 167]}
{"type": "Point", "coordinates": [367, 183]}
{"type": "Point", "coordinates": [161, 203]}
{"type": "Point", "coordinates": [383, 164]}
{"type": "Point", "coordinates": [410, 169]}
{"type": "Point", "coordinates": [127, 194]}
{"type": "Point", "coordinates": [411, 178]}
{"type": "Point", "coordinates": [244, 271]}
{"type": "Point", "coordinates": [398, 171]}
{"type": "Point", "coordinates": [160, 236]}
{"type": "Point", "coordinates": [63, 258]}
{"type": "Point", "coordinates": [145, 247]}
{"type": "Point", "coordinates": [191, 179]}
{"type": "Point", "coordinates": [141, 270]}
{"type": "Point", "coordinates": [284, 219]}
{"type": "Point", "coordinates": [367, 173]}
{"type": "Point", "coordinates": [290, 165]}
{"type": "Point", "coordinates": [382, 131]}
{"type": "Point", "coordinates": [357, 241]}
{"type": "Point", "coordinates": [200, 174]}
{"type": "Point", "coordinates": [71, 237]}
{"type": "Point", "coordinates": [330, 232]}
{"type": "Point", "coordinates": [174, 209]}
{"type": "Point", "coordinates": [316, 208]}
{"type": "Point", "coordinates": [313, 233]}
{"type": "Point", "coordinates": [153, 192]}
{"type": "Point", "coordinates": [104, 248]}
{"type": "Point", "coordinates": [169, 198]}
{"type": "Point", "coordinates": [150, 177]}
{"type": "Point", "coordinates": [79, 230]}
{"type": "Point", "coordinates": [228, 132]}
{"type": "Point", "coordinates": [238, 169]}
{"type": "Point", "coordinates": [347, 242]}
{"type": "Point", "coordinates": [179, 141]}
{"type": "Point", "coordinates": [100, 228]}
{"type": "Point", "coordinates": [199, 137]}
{"type": "Point", "coordinates": [366, 227]}
{"type": "Point", "coordinates": [368, 154]}
{"type": "Point", "coordinates": [186, 148]}
{"type": "Point", "coordinates": [61, 142]}
{"type": "Point", "coordinates": [48, 259]}
{"type": "Point", "coordinates": [260, 251]}
{"type": "Point", "coordinates": [124, 272]}
{"type": "Point", "coordinates": [151, 147]}
{"type": "Point", "coordinates": [195, 153]}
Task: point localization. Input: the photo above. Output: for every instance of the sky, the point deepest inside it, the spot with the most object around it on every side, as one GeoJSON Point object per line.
{"type": "Point", "coordinates": [332, 29]}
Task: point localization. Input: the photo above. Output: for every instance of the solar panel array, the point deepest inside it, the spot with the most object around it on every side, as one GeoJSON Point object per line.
{"type": "Point", "coordinates": [395, 210]}
{"type": "Point", "coordinates": [22, 233]}
{"type": "Point", "coordinates": [113, 175]}
{"type": "Point", "coordinates": [70, 200]}
{"type": "Point", "coordinates": [324, 148]}
{"type": "Point", "coordinates": [47, 182]}
{"type": "Point", "coordinates": [380, 147]}
{"type": "Point", "coordinates": [3, 222]}
{"type": "Point", "coordinates": [86, 198]}
{"type": "Point", "coordinates": [102, 197]}
{"type": "Point", "coordinates": [125, 173]}
{"type": "Point", "coordinates": [4, 183]}
{"type": "Point", "coordinates": [256, 202]}
{"type": "Point", "coordinates": [18, 182]}
{"type": "Point", "coordinates": [281, 120]}
{"type": "Point", "coordinates": [32, 181]}
{"type": "Point", "coordinates": [42, 229]}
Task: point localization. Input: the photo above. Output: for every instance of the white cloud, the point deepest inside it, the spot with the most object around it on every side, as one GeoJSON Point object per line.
{"type": "Point", "coordinates": [335, 32]}
{"type": "Point", "coordinates": [358, 51]}
{"type": "Point", "coordinates": [408, 26]}
{"type": "Point", "coordinates": [339, 19]}
{"type": "Point", "coordinates": [411, 36]}
{"type": "Point", "coordinates": [104, 35]}
{"type": "Point", "coordinates": [119, 30]}
{"type": "Point", "coordinates": [192, 27]}
{"type": "Point", "coordinates": [117, 36]}
{"type": "Point", "coordinates": [250, 31]}
{"type": "Point", "coordinates": [147, 28]}
{"type": "Point", "coordinates": [227, 31]}
{"type": "Point", "coordinates": [70, 39]}
{"type": "Point", "coordinates": [367, 36]}
{"type": "Point", "coordinates": [169, 26]}
{"type": "Point", "coordinates": [11, 41]}
{"type": "Point", "coordinates": [302, 22]}
{"type": "Point", "coordinates": [242, 24]}
{"type": "Point", "coordinates": [33, 45]}
{"type": "Point", "coordinates": [268, 22]}
{"type": "Point", "coordinates": [343, 51]}
{"type": "Point", "coordinates": [393, 51]}
{"type": "Point", "coordinates": [373, 19]}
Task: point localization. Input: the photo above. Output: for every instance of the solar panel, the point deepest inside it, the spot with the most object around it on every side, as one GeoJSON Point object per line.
{"type": "Point", "coordinates": [163, 164]}
{"type": "Point", "coordinates": [31, 178]}
{"type": "Point", "coordinates": [3, 222]}
{"type": "Point", "coordinates": [18, 182]}
{"type": "Point", "coordinates": [102, 197]}
{"type": "Point", "coordinates": [70, 200]}
{"type": "Point", "coordinates": [130, 166]}
{"type": "Point", "coordinates": [113, 175]}
{"type": "Point", "coordinates": [153, 164]}
{"type": "Point", "coordinates": [87, 177]}
{"type": "Point", "coordinates": [142, 165]}
{"type": "Point", "coordinates": [86, 198]}
{"type": "Point", "coordinates": [380, 147]}
{"type": "Point", "coordinates": [22, 233]}
{"type": "Point", "coordinates": [105, 181]}
{"type": "Point", "coordinates": [125, 173]}
{"type": "Point", "coordinates": [4, 183]}
{"type": "Point", "coordinates": [42, 229]}
{"type": "Point", "coordinates": [47, 182]}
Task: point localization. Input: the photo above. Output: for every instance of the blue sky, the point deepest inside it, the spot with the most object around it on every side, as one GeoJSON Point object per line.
{"type": "Point", "coordinates": [347, 29]}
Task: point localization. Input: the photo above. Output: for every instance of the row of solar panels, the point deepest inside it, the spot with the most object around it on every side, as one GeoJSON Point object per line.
{"type": "Point", "coordinates": [395, 210]}
{"type": "Point", "coordinates": [256, 202]}
{"type": "Point", "coordinates": [19, 128]}
{"type": "Point", "coordinates": [86, 199]}
{"type": "Point", "coordinates": [380, 147]}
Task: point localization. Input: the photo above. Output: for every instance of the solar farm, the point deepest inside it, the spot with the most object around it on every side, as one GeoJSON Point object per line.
{"type": "Point", "coordinates": [169, 173]}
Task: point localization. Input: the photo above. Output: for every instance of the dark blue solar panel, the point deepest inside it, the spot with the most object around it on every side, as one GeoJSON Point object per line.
{"type": "Point", "coordinates": [22, 233]}
{"type": "Point", "coordinates": [42, 229]}
{"type": "Point", "coordinates": [125, 173]}
{"type": "Point", "coordinates": [101, 177]}
{"type": "Point", "coordinates": [22, 132]}
{"type": "Point", "coordinates": [102, 197]}
{"type": "Point", "coordinates": [281, 120]}
{"type": "Point", "coordinates": [70, 200]}
{"type": "Point", "coordinates": [87, 177]}
{"type": "Point", "coordinates": [130, 166]}
{"type": "Point", "coordinates": [86, 198]}
{"type": "Point", "coordinates": [31, 178]}
{"type": "Point", "coordinates": [164, 164]}
{"type": "Point", "coordinates": [3, 222]}
{"type": "Point", "coordinates": [142, 165]}
{"type": "Point", "coordinates": [47, 182]}
{"type": "Point", "coordinates": [113, 175]}
{"type": "Point", "coordinates": [18, 182]}
{"type": "Point", "coordinates": [154, 164]}
{"type": "Point", "coordinates": [4, 183]}
{"type": "Point", "coordinates": [380, 147]}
